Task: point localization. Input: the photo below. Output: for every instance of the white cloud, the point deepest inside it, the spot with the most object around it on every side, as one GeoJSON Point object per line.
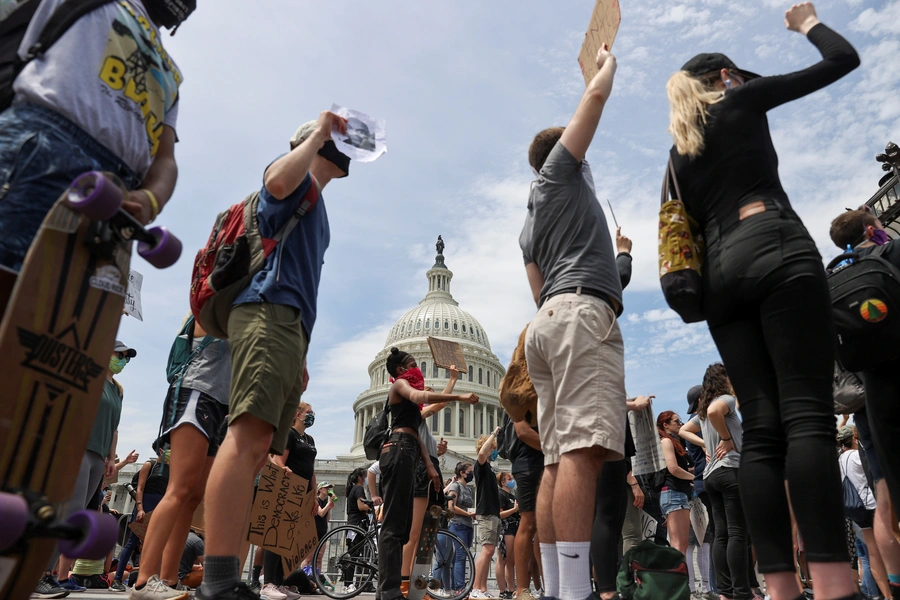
{"type": "Point", "coordinates": [876, 22]}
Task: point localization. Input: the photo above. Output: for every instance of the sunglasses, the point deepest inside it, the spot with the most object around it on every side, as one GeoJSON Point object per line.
{"type": "Point", "coordinates": [676, 421]}
{"type": "Point", "coordinates": [121, 355]}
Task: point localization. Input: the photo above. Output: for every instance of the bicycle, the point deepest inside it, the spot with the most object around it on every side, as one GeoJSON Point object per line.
{"type": "Point", "coordinates": [349, 558]}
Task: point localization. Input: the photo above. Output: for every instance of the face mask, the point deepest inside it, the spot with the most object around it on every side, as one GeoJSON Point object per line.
{"type": "Point", "coordinates": [468, 477]}
{"type": "Point", "coordinates": [511, 483]}
{"type": "Point", "coordinates": [414, 377]}
{"type": "Point", "coordinates": [309, 419]}
{"type": "Point", "coordinates": [494, 455]}
{"type": "Point", "coordinates": [880, 237]}
{"type": "Point", "coordinates": [169, 13]}
{"type": "Point", "coordinates": [116, 365]}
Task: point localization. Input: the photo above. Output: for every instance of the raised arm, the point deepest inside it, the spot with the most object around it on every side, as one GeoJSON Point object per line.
{"type": "Point", "coordinates": [287, 173]}
{"type": "Point", "coordinates": [623, 258]}
{"type": "Point", "coordinates": [580, 131]}
{"type": "Point", "coordinates": [838, 59]}
{"type": "Point", "coordinates": [485, 453]}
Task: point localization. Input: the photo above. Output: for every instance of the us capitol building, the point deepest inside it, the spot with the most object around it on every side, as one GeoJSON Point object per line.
{"type": "Point", "coordinates": [437, 315]}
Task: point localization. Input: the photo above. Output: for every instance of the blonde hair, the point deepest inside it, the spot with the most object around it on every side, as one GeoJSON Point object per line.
{"type": "Point", "coordinates": [480, 442]}
{"type": "Point", "coordinates": [689, 101]}
{"type": "Point", "coordinates": [302, 406]}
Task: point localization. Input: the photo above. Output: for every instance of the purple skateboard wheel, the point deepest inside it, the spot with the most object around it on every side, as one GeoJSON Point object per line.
{"type": "Point", "coordinates": [165, 252]}
{"type": "Point", "coordinates": [13, 519]}
{"type": "Point", "coordinates": [95, 196]}
{"type": "Point", "coordinates": [98, 538]}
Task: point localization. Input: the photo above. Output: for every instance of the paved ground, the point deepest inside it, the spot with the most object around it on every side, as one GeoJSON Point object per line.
{"type": "Point", "coordinates": [107, 595]}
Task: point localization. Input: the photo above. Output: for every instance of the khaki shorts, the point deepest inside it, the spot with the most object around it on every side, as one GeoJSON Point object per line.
{"type": "Point", "coordinates": [268, 351]}
{"type": "Point", "coordinates": [488, 529]}
{"type": "Point", "coordinates": [576, 360]}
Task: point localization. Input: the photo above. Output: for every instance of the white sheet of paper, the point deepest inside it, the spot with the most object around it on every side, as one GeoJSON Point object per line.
{"type": "Point", "coordinates": [365, 137]}
{"type": "Point", "coordinates": [133, 295]}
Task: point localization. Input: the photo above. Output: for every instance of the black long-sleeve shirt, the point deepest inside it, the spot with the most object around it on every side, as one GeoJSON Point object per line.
{"type": "Point", "coordinates": [739, 164]}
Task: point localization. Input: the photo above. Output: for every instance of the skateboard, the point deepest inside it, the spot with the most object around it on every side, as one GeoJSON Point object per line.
{"type": "Point", "coordinates": [56, 338]}
{"type": "Point", "coordinates": [420, 579]}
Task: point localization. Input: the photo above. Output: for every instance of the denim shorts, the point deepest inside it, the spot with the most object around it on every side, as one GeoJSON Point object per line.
{"type": "Point", "coordinates": [41, 153]}
{"type": "Point", "coordinates": [672, 500]}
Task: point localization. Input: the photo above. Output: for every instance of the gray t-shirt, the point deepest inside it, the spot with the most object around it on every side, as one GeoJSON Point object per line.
{"type": "Point", "coordinates": [464, 500]}
{"type": "Point", "coordinates": [565, 232]}
{"type": "Point", "coordinates": [210, 372]}
{"type": "Point", "coordinates": [428, 438]}
{"type": "Point", "coordinates": [110, 75]}
{"type": "Point", "coordinates": [712, 437]}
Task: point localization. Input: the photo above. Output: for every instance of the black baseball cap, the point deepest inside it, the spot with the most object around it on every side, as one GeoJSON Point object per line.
{"type": "Point", "coordinates": [714, 61]}
{"type": "Point", "coordinates": [693, 398]}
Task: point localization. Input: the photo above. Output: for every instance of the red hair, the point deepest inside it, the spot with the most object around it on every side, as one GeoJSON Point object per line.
{"type": "Point", "coordinates": [661, 421]}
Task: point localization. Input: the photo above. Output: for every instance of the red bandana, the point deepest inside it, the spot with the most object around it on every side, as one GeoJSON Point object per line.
{"type": "Point", "coordinates": [414, 377]}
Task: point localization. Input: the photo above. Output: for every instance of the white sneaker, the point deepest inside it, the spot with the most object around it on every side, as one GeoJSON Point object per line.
{"type": "Point", "coordinates": [156, 589]}
{"type": "Point", "coordinates": [478, 594]}
{"type": "Point", "coordinates": [349, 589]}
{"type": "Point", "coordinates": [273, 592]}
{"type": "Point", "coordinates": [291, 594]}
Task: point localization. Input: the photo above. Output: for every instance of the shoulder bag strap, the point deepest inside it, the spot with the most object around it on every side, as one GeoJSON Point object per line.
{"type": "Point", "coordinates": [65, 15]}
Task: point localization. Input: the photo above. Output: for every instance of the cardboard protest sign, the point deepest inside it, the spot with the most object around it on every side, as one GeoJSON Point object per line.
{"type": "Point", "coordinates": [699, 519]}
{"type": "Point", "coordinates": [133, 295]}
{"type": "Point", "coordinates": [281, 520]}
{"type": "Point", "coordinates": [198, 522]}
{"type": "Point", "coordinates": [140, 529]}
{"type": "Point", "coordinates": [601, 30]}
{"type": "Point", "coordinates": [447, 354]}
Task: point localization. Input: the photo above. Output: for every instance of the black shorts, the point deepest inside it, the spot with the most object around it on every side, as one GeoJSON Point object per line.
{"type": "Point", "coordinates": [423, 483]}
{"type": "Point", "coordinates": [198, 409]}
{"type": "Point", "coordinates": [511, 528]}
{"type": "Point", "coordinates": [868, 521]}
{"type": "Point", "coordinates": [527, 484]}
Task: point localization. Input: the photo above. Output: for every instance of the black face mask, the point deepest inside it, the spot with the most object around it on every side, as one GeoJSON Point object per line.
{"type": "Point", "coordinates": [169, 13]}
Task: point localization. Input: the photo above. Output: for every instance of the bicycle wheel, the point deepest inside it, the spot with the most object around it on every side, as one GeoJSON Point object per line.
{"type": "Point", "coordinates": [450, 553]}
{"type": "Point", "coordinates": [349, 562]}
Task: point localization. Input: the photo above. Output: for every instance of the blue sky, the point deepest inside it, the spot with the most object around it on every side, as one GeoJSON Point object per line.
{"type": "Point", "coordinates": [463, 87]}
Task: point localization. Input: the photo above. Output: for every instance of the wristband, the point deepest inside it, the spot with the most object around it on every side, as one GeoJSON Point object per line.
{"type": "Point", "coordinates": [634, 484]}
{"type": "Point", "coordinates": [154, 205]}
{"type": "Point", "coordinates": [139, 503]}
{"type": "Point", "coordinates": [726, 440]}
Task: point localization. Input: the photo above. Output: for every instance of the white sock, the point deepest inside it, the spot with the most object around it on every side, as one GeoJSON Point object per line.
{"type": "Point", "coordinates": [704, 568]}
{"type": "Point", "coordinates": [550, 570]}
{"type": "Point", "coordinates": [574, 570]}
{"type": "Point", "coordinates": [689, 559]}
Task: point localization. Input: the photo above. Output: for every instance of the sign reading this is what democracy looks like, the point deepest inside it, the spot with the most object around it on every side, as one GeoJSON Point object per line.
{"type": "Point", "coordinates": [281, 520]}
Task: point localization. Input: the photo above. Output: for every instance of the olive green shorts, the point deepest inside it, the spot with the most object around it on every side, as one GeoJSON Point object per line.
{"type": "Point", "coordinates": [268, 351]}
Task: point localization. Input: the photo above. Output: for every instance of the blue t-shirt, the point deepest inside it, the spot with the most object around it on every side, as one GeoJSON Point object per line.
{"type": "Point", "coordinates": [302, 256]}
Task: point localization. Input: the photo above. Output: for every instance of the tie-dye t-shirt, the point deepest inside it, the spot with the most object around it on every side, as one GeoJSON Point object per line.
{"type": "Point", "coordinates": [110, 74]}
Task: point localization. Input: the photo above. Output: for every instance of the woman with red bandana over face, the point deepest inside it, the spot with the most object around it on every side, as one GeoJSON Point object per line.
{"type": "Point", "coordinates": [399, 456]}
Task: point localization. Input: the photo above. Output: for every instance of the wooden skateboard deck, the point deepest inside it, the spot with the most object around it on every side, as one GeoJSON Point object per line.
{"type": "Point", "coordinates": [420, 579]}
{"type": "Point", "coordinates": [56, 339]}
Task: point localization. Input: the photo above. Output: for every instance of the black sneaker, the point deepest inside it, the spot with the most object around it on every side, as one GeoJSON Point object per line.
{"type": "Point", "coordinates": [48, 587]}
{"type": "Point", "coordinates": [254, 586]}
{"type": "Point", "coordinates": [117, 586]}
{"type": "Point", "coordinates": [241, 591]}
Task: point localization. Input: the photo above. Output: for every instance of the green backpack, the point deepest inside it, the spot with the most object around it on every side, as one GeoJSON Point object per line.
{"type": "Point", "coordinates": [182, 352]}
{"type": "Point", "coordinates": [653, 572]}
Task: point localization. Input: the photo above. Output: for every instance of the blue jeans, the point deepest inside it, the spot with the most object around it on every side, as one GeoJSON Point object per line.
{"type": "Point", "coordinates": [869, 586]}
{"type": "Point", "coordinates": [444, 561]}
{"type": "Point", "coordinates": [41, 153]}
{"type": "Point", "coordinates": [466, 534]}
{"type": "Point", "coordinates": [150, 502]}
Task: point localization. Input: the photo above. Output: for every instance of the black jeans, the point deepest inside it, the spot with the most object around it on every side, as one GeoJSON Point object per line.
{"type": "Point", "coordinates": [768, 307]}
{"type": "Point", "coordinates": [729, 549]}
{"type": "Point", "coordinates": [609, 516]}
{"type": "Point", "coordinates": [883, 408]}
{"type": "Point", "coordinates": [398, 477]}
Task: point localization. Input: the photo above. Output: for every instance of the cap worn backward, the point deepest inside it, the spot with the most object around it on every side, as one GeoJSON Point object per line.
{"type": "Point", "coordinates": [845, 432]}
{"type": "Point", "coordinates": [303, 132]}
{"type": "Point", "coordinates": [708, 62]}
{"type": "Point", "coordinates": [121, 347]}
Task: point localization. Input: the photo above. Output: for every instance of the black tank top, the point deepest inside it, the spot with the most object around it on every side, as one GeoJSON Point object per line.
{"type": "Point", "coordinates": [157, 479]}
{"type": "Point", "coordinates": [405, 413]}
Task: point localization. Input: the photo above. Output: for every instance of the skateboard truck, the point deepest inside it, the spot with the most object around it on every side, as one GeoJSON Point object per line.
{"type": "Point", "coordinates": [430, 583]}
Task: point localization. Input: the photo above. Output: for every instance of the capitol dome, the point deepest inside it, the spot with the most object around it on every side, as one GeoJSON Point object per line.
{"type": "Point", "coordinates": [439, 315]}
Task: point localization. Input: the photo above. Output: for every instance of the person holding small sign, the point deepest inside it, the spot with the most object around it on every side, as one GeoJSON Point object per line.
{"type": "Point", "coordinates": [398, 459]}
{"type": "Point", "coordinates": [299, 457]}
